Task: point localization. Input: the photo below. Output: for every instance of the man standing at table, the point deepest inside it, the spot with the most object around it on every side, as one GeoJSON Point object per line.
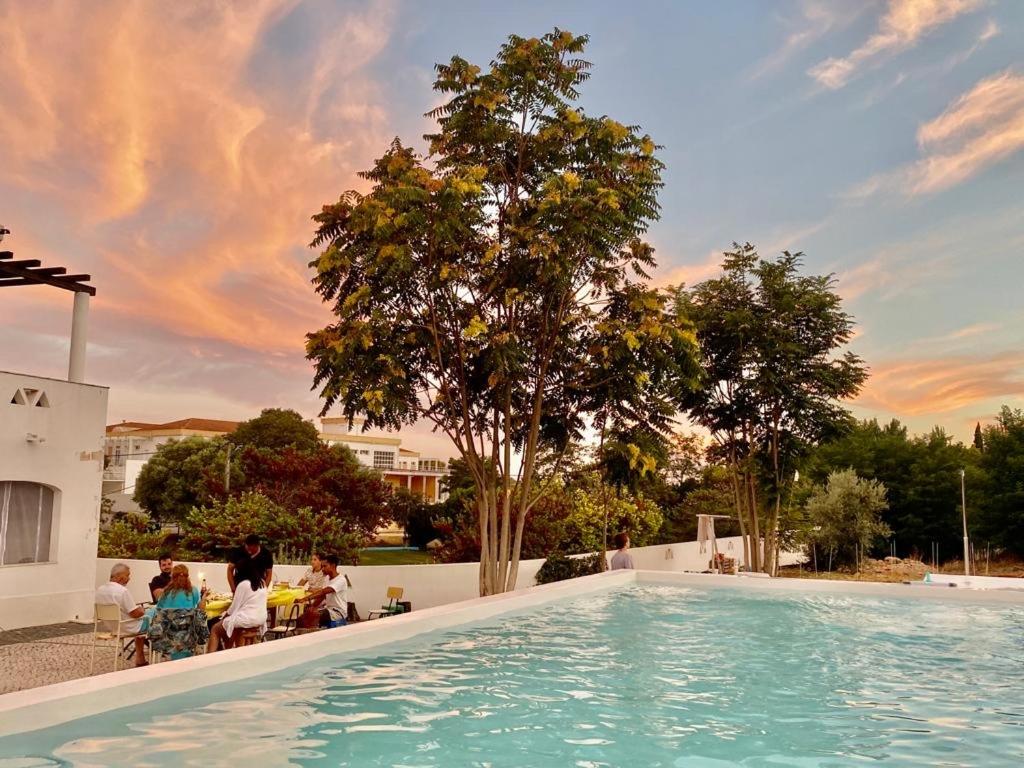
{"type": "Point", "coordinates": [261, 558]}
{"type": "Point", "coordinates": [334, 594]}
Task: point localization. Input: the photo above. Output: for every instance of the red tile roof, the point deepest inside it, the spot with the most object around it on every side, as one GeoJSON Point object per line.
{"type": "Point", "coordinates": [198, 425]}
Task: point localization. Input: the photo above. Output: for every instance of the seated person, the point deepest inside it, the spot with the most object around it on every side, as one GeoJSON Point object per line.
{"type": "Point", "coordinates": [181, 595]}
{"type": "Point", "coordinates": [248, 609]}
{"type": "Point", "coordinates": [314, 578]}
{"type": "Point", "coordinates": [162, 579]}
{"type": "Point", "coordinates": [334, 595]}
{"type": "Point", "coordinates": [133, 618]}
{"type": "Point", "coordinates": [622, 559]}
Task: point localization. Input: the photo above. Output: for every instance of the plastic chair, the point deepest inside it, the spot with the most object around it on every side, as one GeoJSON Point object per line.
{"type": "Point", "coordinates": [289, 626]}
{"type": "Point", "coordinates": [394, 606]}
{"type": "Point", "coordinates": [109, 614]}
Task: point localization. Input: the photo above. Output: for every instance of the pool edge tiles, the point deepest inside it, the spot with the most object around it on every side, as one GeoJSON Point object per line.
{"type": "Point", "coordinates": [47, 706]}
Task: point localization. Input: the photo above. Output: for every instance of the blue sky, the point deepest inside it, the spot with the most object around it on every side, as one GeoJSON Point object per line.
{"type": "Point", "coordinates": [883, 139]}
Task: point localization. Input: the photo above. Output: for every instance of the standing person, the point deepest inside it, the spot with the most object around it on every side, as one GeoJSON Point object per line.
{"type": "Point", "coordinates": [237, 557]}
{"type": "Point", "coordinates": [334, 594]}
{"type": "Point", "coordinates": [133, 619]}
{"type": "Point", "coordinates": [159, 582]}
{"type": "Point", "coordinates": [314, 578]}
{"type": "Point", "coordinates": [622, 559]}
{"type": "Point", "coordinates": [248, 609]}
{"type": "Point", "coordinates": [261, 558]}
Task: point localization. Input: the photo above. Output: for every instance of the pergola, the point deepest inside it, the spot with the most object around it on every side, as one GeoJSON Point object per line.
{"type": "Point", "coordinates": [16, 272]}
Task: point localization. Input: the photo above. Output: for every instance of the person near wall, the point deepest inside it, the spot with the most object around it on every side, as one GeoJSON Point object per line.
{"type": "Point", "coordinates": [159, 582]}
{"type": "Point", "coordinates": [622, 559]}
{"type": "Point", "coordinates": [248, 609]}
{"type": "Point", "coordinates": [334, 595]}
{"type": "Point", "coordinates": [179, 623]}
{"type": "Point", "coordinates": [314, 578]}
{"type": "Point", "coordinates": [133, 617]}
{"type": "Point", "coordinates": [237, 557]}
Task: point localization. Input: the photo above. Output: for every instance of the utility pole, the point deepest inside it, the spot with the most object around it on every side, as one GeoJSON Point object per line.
{"type": "Point", "coordinates": [967, 543]}
{"type": "Point", "coordinates": [227, 471]}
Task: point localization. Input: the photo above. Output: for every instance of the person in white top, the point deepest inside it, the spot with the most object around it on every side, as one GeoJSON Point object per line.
{"type": "Point", "coordinates": [622, 558]}
{"type": "Point", "coordinates": [114, 592]}
{"type": "Point", "coordinates": [248, 609]}
{"type": "Point", "coordinates": [334, 594]}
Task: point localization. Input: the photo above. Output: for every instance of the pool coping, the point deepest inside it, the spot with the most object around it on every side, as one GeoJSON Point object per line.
{"type": "Point", "coordinates": [51, 705]}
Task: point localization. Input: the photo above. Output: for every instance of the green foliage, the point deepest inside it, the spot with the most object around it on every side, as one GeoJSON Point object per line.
{"type": "Point", "coordinates": [1001, 490]}
{"type": "Point", "coordinates": [275, 429]}
{"type": "Point", "coordinates": [410, 511]}
{"type": "Point", "coordinates": [182, 474]}
{"type": "Point", "coordinates": [845, 516]}
{"type": "Point", "coordinates": [131, 537]}
{"type": "Point", "coordinates": [499, 291]}
{"type": "Point", "coordinates": [559, 567]}
{"type": "Point", "coordinates": [770, 339]}
{"type": "Point", "coordinates": [215, 529]}
{"type": "Point", "coordinates": [921, 475]}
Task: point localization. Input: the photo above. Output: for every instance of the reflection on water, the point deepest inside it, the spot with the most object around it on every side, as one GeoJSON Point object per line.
{"type": "Point", "coordinates": [652, 676]}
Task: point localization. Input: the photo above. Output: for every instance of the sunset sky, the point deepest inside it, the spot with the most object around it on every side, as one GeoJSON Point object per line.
{"type": "Point", "coordinates": [176, 151]}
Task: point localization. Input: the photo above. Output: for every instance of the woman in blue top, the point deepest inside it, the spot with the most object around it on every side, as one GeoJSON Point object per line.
{"type": "Point", "coordinates": [180, 595]}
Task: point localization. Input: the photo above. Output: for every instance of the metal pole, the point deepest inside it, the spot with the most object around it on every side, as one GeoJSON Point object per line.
{"type": "Point", "coordinates": [967, 545]}
{"type": "Point", "coordinates": [227, 471]}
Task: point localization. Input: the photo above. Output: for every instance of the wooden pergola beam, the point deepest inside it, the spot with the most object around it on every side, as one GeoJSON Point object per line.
{"type": "Point", "coordinates": [28, 272]}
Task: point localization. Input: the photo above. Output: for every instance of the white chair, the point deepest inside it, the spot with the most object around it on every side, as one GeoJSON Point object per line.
{"type": "Point", "coordinates": [109, 615]}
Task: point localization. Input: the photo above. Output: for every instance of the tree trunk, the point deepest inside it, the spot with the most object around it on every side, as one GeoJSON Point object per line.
{"type": "Point", "coordinates": [755, 526]}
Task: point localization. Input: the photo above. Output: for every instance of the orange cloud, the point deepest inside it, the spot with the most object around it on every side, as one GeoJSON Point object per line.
{"type": "Point", "coordinates": [979, 129]}
{"type": "Point", "coordinates": [940, 385]}
{"type": "Point", "coordinates": [902, 26]}
{"type": "Point", "coordinates": [189, 182]}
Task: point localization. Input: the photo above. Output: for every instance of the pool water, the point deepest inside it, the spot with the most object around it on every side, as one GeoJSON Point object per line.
{"type": "Point", "coordinates": [645, 676]}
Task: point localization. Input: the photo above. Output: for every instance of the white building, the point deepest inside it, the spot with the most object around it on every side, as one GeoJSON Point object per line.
{"type": "Point", "coordinates": [399, 466]}
{"type": "Point", "coordinates": [51, 467]}
{"type": "Point", "coordinates": [127, 447]}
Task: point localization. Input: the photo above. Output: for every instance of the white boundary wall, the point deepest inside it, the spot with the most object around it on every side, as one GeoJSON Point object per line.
{"type": "Point", "coordinates": [52, 705]}
{"type": "Point", "coordinates": [427, 586]}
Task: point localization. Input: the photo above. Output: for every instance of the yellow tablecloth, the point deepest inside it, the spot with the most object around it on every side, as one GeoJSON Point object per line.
{"type": "Point", "coordinates": [277, 598]}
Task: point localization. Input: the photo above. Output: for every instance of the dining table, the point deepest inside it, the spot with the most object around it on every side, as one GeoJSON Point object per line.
{"type": "Point", "coordinates": [277, 597]}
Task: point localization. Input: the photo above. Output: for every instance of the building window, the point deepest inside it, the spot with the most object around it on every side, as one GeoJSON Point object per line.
{"type": "Point", "coordinates": [26, 516]}
{"type": "Point", "coordinates": [383, 460]}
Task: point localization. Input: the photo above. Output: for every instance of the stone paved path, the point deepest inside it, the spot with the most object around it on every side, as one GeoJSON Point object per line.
{"type": "Point", "coordinates": [51, 659]}
{"type": "Point", "coordinates": [31, 634]}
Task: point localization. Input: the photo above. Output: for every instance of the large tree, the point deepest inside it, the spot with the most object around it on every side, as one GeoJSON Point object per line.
{"type": "Point", "coordinates": [498, 289]}
{"type": "Point", "coordinates": [183, 474]}
{"type": "Point", "coordinates": [1002, 496]}
{"type": "Point", "coordinates": [771, 340]}
{"type": "Point", "coordinates": [276, 429]}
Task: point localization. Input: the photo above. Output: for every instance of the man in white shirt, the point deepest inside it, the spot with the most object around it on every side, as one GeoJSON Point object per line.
{"type": "Point", "coordinates": [334, 594]}
{"type": "Point", "coordinates": [114, 592]}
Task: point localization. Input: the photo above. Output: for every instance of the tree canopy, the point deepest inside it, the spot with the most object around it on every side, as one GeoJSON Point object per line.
{"type": "Point", "coordinates": [498, 287]}
{"type": "Point", "coordinates": [275, 429]}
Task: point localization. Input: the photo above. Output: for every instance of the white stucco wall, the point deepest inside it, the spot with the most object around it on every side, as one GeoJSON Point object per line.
{"type": "Point", "coordinates": [427, 586]}
{"type": "Point", "coordinates": [71, 461]}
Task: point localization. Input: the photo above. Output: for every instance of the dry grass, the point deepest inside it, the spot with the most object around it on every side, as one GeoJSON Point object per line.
{"type": "Point", "coordinates": [907, 570]}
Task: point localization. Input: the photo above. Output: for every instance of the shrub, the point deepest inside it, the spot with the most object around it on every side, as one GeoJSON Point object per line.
{"type": "Point", "coordinates": [130, 537]}
{"type": "Point", "coordinates": [559, 567]}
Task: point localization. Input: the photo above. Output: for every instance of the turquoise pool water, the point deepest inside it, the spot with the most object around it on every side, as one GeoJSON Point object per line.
{"type": "Point", "coordinates": [647, 676]}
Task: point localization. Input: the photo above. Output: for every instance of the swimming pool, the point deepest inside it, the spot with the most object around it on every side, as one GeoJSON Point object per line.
{"type": "Point", "coordinates": [642, 674]}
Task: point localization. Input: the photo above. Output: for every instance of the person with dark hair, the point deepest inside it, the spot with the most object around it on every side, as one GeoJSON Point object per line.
{"type": "Point", "coordinates": [334, 594]}
{"type": "Point", "coordinates": [248, 608]}
{"type": "Point", "coordinates": [314, 578]}
{"type": "Point", "coordinates": [260, 557]}
{"type": "Point", "coordinates": [159, 582]}
{"type": "Point", "coordinates": [622, 559]}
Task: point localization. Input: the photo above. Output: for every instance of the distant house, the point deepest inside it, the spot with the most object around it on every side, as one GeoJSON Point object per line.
{"type": "Point", "coordinates": [51, 467]}
{"type": "Point", "coordinates": [399, 466]}
{"type": "Point", "coordinates": [128, 446]}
